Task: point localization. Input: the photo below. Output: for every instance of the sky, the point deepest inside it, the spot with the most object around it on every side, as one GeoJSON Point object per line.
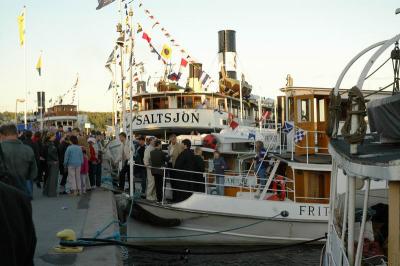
{"type": "Point", "coordinates": [310, 39]}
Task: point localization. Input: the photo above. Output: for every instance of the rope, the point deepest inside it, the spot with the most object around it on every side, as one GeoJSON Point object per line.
{"type": "Point", "coordinates": [381, 89]}
{"type": "Point", "coordinates": [377, 69]}
{"type": "Point", "coordinates": [355, 98]}
{"type": "Point", "coordinates": [88, 242]}
{"type": "Point", "coordinates": [334, 113]}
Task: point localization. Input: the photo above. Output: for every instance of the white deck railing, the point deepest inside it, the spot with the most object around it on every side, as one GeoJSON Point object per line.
{"type": "Point", "coordinates": [244, 186]}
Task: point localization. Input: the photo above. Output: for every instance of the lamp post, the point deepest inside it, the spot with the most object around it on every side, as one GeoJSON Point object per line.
{"type": "Point", "coordinates": [16, 108]}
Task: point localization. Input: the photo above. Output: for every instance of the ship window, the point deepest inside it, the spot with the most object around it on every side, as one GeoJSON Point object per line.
{"type": "Point", "coordinates": [305, 110]}
{"type": "Point", "coordinates": [156, 103]}
{"type": "Point", "coordinates": [321, 110]}
{"type": "Point", "coordinates": [221, 104]}
{"type": "Point", "coordinates": [189, 102]}
{"type": "Point", "coordinates": [290, 109]}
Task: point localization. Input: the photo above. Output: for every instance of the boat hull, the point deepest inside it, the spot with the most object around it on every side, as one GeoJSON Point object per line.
{"type": "Point", "coordinates": [211, 228]}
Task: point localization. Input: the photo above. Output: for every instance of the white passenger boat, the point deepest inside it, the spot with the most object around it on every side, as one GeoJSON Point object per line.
{"type": "Point", "coordinates": [294, 204]}
{"type": "Point", "coordinates": [364, 225]}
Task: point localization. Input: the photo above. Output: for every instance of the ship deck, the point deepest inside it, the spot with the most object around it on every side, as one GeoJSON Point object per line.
{"type": "Point", "coordinates": [374, 159]}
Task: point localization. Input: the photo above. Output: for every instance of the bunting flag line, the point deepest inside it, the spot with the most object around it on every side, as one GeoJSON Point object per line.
{"type": "Point", "coordinates": [204, 77]}
{"type": "Point", "coordinates": [110, 86]}
{"type": "Point", "coordinates": [166, 51]}
{"type": "Point", "coordinates": [207, 78]}
{"type": "Point", "coordinates": [39, 65]}
{"type": "Point", "coordinates": [21, 27]}
{"type": "Point", "coordinates": [139, 28]}
{"type": "Point", "coordinates": [146, 37]}
{"type": "Point", "coordinates": [111, 60]}
{"type": "Point", "coordinates": [103, 3]}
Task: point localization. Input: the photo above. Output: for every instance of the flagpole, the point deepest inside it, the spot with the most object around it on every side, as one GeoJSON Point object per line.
{"type": "Point", "coordinates": [115, 98]}
{"type": "Point", "coordinates": [26, 82]}
{"type": "Point", "coordinates": [41, 94]}
{"type": "Point", "coordinates": [123, 111]}
{"type": "Point", "coordinates": [259, 112]}
{"type": "Point", "coordinates": [131, 108]}
{"type": "Point", "coordinates": [241, 101]}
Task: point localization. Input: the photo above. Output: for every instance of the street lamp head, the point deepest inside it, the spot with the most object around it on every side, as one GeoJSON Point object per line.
{"type": "Point", "coordinates": [397, 11]}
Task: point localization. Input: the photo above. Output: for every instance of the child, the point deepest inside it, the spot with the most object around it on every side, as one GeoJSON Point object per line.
{"type": "Point", "coordinates": [84, 172]}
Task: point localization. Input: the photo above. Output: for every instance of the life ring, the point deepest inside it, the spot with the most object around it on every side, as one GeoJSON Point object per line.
{"type": "Point", "coordinates": [279, 195]}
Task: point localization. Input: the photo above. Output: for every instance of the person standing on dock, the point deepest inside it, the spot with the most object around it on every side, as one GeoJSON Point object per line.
{"type": "Point", "coordinates": [158, 160]}
{"type": "Point", "coordinates": [185, 161]}
{"type": "Point", "coordinates": [125, 160]}
{"type": "Point", "coordinates": [219, 170]}
{"type": "Point", "coordinates": [52, 170]}
{"type": "Point", "coordinates": [93, 162]}
{"type": "Point", "coordinates": [35, 148]}
{"type": "Point", "coordinates": [19, 159]}
{"type": "Point", "coordinates": [98, 147]}
{"type": "Point", "coordinates": [73, 161]}
{"type": "Point", "coordinates": [41, 166]}
{"type": "Point", "coordinates": [174, 149]}
{"type": "Point", "coordinates": [65, 142]}
{"type": "Point", "coordinates": [150, 190]}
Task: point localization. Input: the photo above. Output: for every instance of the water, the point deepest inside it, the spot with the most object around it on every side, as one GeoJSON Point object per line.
{"type": "Point", "coordinates": [299, 255]}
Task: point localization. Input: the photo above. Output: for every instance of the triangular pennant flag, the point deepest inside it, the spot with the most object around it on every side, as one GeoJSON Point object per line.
{"type": "Point", "coordinates": [139, 28]}
{"type": "Point", "coordinates": [39, 65]}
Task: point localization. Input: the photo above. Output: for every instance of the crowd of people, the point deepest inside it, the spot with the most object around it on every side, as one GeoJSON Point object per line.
{"type": "Point", "coordinates": [183, 166]}
{"type": "Point", "coordinates": [43, 157]}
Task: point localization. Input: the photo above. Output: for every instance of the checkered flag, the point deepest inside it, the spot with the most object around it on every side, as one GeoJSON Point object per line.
{"type": "Point", "coordinates": [299, 135]}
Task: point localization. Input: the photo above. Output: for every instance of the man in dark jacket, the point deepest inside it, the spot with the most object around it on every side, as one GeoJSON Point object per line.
{"type": "Point", "coordinates": [27, 140]}
{"type": "Point", "coordinates": [63, 170]}
{"type": "Point", "coordinates": [140, 171]}
{"type": "Point", "coordinates": [185, 161]}
{"type": "Point", "coordinates": [18, 238]}
{"type": "Point", "coordinates": [19, 159]}
{"type": "Point", "coordinates": [158, 159]}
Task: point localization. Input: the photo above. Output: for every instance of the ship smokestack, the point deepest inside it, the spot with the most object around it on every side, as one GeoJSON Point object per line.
{"type": "Point", "coordinates": [227, 53]}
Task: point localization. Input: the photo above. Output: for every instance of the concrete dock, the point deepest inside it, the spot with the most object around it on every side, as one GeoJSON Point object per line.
{"type": "Point", "coordinates": [85, 215]}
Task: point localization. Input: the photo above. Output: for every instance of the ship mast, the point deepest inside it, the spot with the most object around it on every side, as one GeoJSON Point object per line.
{"type": "Point", "coordinates": [131, 43]}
